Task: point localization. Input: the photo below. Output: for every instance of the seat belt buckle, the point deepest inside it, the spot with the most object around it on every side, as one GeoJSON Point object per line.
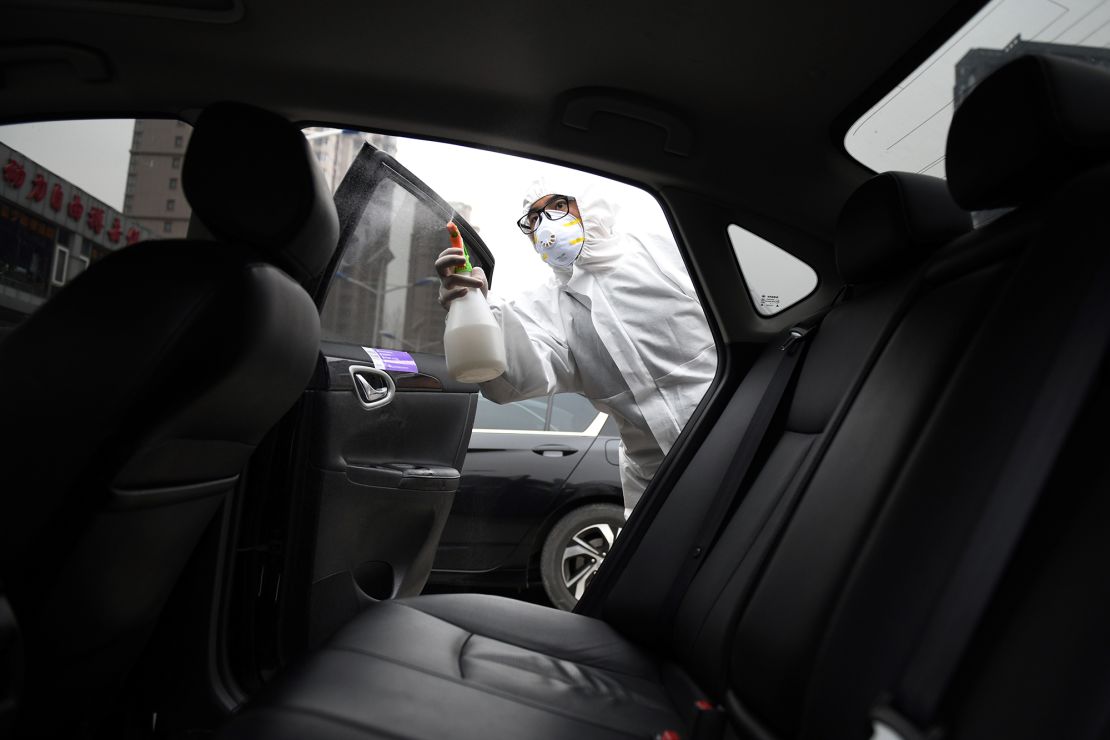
{"type": "Point", "coordinates": [796, 335]}
{"type": "Point", "coordinates": [888, 724]}
{"type": "Point", "coordinates": [708, 722]}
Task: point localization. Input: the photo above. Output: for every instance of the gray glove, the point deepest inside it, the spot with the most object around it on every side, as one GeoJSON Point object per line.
{"type": "Point", "coordinates": [452, 284]}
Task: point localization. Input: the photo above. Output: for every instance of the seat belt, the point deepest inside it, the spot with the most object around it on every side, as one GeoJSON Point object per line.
{"type": "Point", "coordinates": [911, 712]}
{"type": "Point", "coordinates": [771, 394]}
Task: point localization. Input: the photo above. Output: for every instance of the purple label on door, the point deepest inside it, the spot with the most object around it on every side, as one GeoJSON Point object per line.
{"type": "Point", "coordinates": [392, 359]}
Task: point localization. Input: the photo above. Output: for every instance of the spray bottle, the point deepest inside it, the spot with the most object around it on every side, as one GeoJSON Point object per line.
{"type": "Point", "coordinates": [472, 341]}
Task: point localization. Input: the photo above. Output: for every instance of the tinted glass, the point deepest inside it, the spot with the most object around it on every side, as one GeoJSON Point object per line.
{"type": "Point", "coordinates": [384, 292]}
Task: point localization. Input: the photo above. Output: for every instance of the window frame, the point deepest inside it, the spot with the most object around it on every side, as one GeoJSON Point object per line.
{"type": "Point", "coordinates": [82, 258]}
{"type": "Point", "coordinates": [54, 267]}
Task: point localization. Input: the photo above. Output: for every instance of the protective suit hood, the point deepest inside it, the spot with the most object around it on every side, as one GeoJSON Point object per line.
{"type": "Point", "coordinates": [602, 246]}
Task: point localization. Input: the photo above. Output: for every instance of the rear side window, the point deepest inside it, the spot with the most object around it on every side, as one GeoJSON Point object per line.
{"type": "Point", "coordinates": [571, 413]}
{"type": "Point", "coordinates": [384, 290]}
{"type": "Point", "coordinates": [73, 192]}
{"type": "Point", "coordinates": [564, 412]}
{"type": "Point", "coordinates": [775, 278]}
{"type": "Point", "coordinates": [522, 416]}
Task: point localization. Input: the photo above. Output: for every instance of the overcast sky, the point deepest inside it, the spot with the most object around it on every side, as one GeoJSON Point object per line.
{"type": "Point", "coordinates": [91, 154]}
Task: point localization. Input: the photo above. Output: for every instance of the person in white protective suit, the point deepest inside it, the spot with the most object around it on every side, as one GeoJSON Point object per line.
{"type": "Point", "coordinates": [618, 322]}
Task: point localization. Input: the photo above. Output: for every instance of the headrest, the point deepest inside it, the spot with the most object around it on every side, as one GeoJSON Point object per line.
{"type": "Point", "coordinates": [893, 221]}
{"type": "Point", "coordinates": [1025, 129]}
{"type": "Point", "coordinates": [250, 178]}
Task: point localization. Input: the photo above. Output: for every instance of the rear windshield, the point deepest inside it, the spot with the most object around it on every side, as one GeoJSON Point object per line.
{"type": "Point", "coordinates": [907, 128]}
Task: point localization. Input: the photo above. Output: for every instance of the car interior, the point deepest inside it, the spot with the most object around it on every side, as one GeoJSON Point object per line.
{"type": "Point", "coordinates": [886, 519]}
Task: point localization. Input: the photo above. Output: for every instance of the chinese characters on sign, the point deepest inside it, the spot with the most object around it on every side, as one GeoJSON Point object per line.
{"type": "Point", "coordinates": [38, 188]}
{"type": "Point", "coordinates": [96, 220]}
{"type": "Point", "coordinates": [59, 203]}
{"type": "Point", "coordinates": [14, 174]}
{"type": "Point", "coordinates": [76, 207]}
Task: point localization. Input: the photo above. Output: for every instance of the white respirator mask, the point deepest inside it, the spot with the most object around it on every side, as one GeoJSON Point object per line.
{"type": "Point", "coordinates": [559, 243]}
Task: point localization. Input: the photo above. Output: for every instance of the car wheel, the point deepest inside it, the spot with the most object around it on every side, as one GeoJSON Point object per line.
{"type": "Point", "coordinates": [575, 549]}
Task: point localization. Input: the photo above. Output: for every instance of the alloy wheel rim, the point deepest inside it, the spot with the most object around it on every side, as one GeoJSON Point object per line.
{"type": "Point", "coordinates": [584, 554]}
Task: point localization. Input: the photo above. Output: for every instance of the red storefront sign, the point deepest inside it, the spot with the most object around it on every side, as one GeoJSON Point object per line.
{"type": "Point", "coordinates": [14, 174]}
{"type": "Point", "coordinates": [76, 207]}
{"type": "Point", "coordinates": [46, 189]}
{"type": "Point", "coordinates": [38, 188]}
{"type": "Point", "coordinates": [96, 220]}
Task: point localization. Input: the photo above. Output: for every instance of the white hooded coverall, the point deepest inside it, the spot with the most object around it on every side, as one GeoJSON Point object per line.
{"type": "Point", "coordinates": [622, 327]}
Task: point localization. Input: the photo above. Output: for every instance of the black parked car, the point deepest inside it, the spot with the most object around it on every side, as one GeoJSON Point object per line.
{"type": "Point", "coordinates": [539, 499]}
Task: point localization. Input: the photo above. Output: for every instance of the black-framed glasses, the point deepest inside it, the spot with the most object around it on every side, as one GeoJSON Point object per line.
{"type": "Point", "coordinates": [557, 207]}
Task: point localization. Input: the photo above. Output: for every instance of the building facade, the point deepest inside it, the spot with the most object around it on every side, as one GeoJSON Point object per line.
{"type": "Point", "coordinates": [335, 149]}
{"type": "Point", "coordinates": [50, 232]}
{"type": "Point", "coordinates": [153, 196]}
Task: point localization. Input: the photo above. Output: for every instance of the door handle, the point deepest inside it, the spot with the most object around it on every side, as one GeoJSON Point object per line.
{"type": "Point", "coordinates": [554, 450]}
{"type": "Point", "coordinates": [369, 396]}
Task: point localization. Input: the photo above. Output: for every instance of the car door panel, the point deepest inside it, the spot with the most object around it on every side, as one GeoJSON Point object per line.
{"type": "Point", "coordinates": [384, 451]}
{"type": "Point", "coordinates": [420, 425]}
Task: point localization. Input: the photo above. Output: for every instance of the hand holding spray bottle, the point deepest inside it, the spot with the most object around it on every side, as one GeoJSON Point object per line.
{"type": "Point", "coordinates": [472, 340]}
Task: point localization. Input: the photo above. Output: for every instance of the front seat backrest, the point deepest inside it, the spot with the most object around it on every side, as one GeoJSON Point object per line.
{"type": "Point", "coordinates": [135, 397]}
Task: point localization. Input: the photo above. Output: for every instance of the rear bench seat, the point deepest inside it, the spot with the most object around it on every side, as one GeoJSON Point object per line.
{"type": "Point", "coordinates": [798, 634]}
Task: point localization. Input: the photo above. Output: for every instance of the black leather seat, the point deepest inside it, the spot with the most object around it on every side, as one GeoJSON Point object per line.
{"type": "Point", "coordinates": [1034, 137]}
{"type": "Point", "coordinates": [183, 354]}
{"type": "Point", "coordinates": [471, 666]}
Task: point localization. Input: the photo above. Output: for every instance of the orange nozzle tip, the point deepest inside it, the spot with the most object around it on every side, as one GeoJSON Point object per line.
{"type": "Point", "coordinates": [454, 235]}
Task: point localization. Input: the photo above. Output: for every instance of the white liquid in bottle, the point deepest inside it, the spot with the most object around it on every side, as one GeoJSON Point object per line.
{"type": "Point", "coordinates": [472, 341]}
